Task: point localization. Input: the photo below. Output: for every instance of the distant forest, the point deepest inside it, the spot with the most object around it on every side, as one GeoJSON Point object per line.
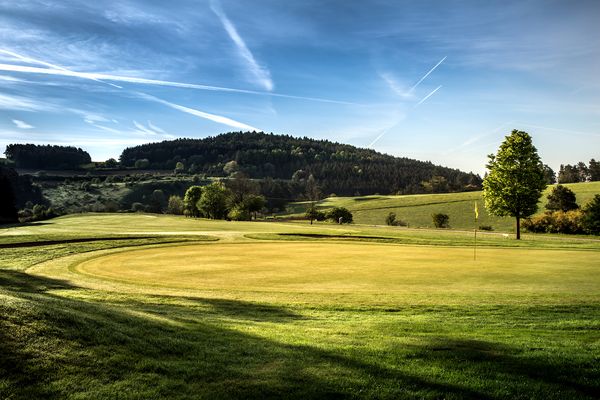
{"type": "Point", "coordinates": [46, 156]}
{"type": "Point", "coordinates": [579, 172]}
{"type": "Point", "coordinates": [338, 168]}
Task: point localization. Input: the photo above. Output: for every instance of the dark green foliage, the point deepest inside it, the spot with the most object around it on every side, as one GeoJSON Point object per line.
{"type": "Point", "coordinates": [339, 215]}
{"type": "Point", "coordinates": [579, 172]}
{"type": "Point", "coordinates": [441, 220]}
{"type": "Point", "coordinates": [313, 214]}
{"type": "Point", "coordinates": [8, 209]}
{"type": "Point", "coordinates": [561, 199]}
{"type": "Point", "coordinates": [338, 168]}
{"type": "Point", "coordinates": [591, 216]}
{"type": "Point", "coordinates": [391, 220]}
{"type": "Point", "coordinates": [594, 170]}
{"type": "Point", "coordinates": [175, 205]}
{"type": "Point", "coordinates": [158, 201]}
{"type": "Point", "coordinates": [142, 163]}
{"type": "Point", "coordinates": [46, 156]}
{"type": "Point", "coordinates": [516, 179]}
{"type": "Point", "coordinates": [190, 201]}
{"type": "Point", "coordinates": [550, 175]}
{"type": "Point", "coordinates": [485, 228]}
{"type": "Point", "coordinates": [23, 190]}
{"type": "Point", "coordinates": [556, 222]}
{"type": "Point", "coordinates": [213, 202]}
{"type": "Point", "coordinates": [254, 203]}
{"type": "Point", "coordinates": [137, 207]}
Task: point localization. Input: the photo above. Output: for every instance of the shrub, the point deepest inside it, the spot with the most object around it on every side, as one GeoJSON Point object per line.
{"type": "Point", "coordinates": [137, 207]}
{"type": "Point", "coordinates": [339, 214]}
{"type": "Point", "coordinates": [392, 221]}
{"type": "Point", "coordinates": [175, 205]}
{"type": "Point", "coordinates": [239, 213]}
{"type": "Point", "coordinates": [556, 222]}
{"type": "Point", "coordinates": [561, 199]}
{"type": "Point", "coordinates": [313, 214]}
{"type": "Point", "coordinates": [485, 228]}
{"type": "Point", "coordinates": [441, 220]}
{"type": "Point", "coordinates": [591, 216]}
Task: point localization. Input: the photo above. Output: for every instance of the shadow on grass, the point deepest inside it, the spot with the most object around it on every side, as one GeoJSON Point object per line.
{"type": "Point", "coordinates": [54, 346]}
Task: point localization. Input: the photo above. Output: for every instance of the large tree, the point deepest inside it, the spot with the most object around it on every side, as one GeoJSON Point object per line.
{"type": "Point", "coordinates": [515, 180]}
{"type": "Point", "coordinates": [213, 202]}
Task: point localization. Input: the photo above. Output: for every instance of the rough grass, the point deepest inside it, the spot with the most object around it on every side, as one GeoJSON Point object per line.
{"type": "Point", "coordinates": [309, 318]}
{"type": "Point", "coordinates": [416, 210]}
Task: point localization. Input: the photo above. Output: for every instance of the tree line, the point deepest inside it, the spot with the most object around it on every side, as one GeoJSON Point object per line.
{"type": "Point", "coordinates": [339, 168]}
{"type": "Point", "coordinates": [579, 172]}
{"type": "Point", "coordinates": [46, 156]}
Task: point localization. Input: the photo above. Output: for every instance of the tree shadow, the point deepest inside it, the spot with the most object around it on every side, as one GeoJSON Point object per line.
{"type": "Point", "coordinates": [482, 357]}
{"type": "Point", "coordinates": [54, 345]}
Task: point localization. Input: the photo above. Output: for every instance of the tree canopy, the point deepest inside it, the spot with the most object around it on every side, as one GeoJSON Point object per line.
{"type": "Point", "coordinates": [562, 199]}
{"type": "Point", "coordinates": [338, 168]}
{"type": "Point", "coordinates": [515, 180]}
{"type": "Point", "coordinates": [46, 156]}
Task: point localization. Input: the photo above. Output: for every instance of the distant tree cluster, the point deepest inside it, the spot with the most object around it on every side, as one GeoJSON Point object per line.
{"type": "Point", "coordinates": [46, 156]}
{"type": "Point", "coordinates": [16, 192]}
{"type": "Point", "coordinates": [338, 168]}
{"type": "Point", "coordinates": [236, 199]}
{"type": "Point", "coordinates": [579, 172]}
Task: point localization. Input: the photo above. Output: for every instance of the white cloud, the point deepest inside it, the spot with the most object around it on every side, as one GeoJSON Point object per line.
{"type": "Point", "coordinates": [155, 128]}
{"type": "Point", "coordinates": [22, 124]}
{"type": "Point", "coordinates": [10, 102]}
{"type": "Point", "coordinates": [262, 75]}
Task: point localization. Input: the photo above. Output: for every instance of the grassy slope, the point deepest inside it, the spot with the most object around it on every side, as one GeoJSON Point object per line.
{"type": "Point", "coordinates": [519, 323]}
{"type": "Point", "coordinates": [417, 209]}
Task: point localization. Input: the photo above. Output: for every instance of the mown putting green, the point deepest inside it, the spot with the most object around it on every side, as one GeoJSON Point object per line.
{"type": "Point", "coordinates": [353, 268]}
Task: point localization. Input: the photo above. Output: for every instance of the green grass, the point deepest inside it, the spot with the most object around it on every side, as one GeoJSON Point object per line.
{"type": "Point", "coordinates": [416, 210]}
{"type": "Point", "coordinates": [290, 310]}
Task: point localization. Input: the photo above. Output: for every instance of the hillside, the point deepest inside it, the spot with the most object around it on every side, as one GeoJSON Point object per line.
{"type": "Point", "coordinates": [416, 210]}
{"type": "Point", "coordinates": [338, 168]}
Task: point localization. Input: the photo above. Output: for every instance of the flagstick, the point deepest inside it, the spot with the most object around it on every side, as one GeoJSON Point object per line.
{"type": "Point", "coordinates": [475, 247]}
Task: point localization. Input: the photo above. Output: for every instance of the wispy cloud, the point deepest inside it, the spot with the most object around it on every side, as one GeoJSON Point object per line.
{"type": "Point", "coordinates": [396, 87]}
{"type": "Point", "coordinates": [201, 114]}
{"type": "Point", "coordinates": [261, 74]}
{"type": "Point", "coordinates": [19, 103]}
{"type": "Point", "coordinates": [22, 124]}
{"type": "Point", "coordinates": [100, 77]}
{"type": "Point", "coordinates": [155, 128]}
{"type": "Point", "coordinates": [428, 96]}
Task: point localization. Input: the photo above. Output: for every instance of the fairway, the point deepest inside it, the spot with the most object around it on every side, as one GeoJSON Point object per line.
{"type": "Point", "coordinates": [352, 268]}
{"type": "Point", "coordinates": [180, 308]}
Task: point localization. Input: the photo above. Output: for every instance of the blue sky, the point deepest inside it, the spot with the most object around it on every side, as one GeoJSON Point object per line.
{"type": "Point", "coordinates": [443, 81]}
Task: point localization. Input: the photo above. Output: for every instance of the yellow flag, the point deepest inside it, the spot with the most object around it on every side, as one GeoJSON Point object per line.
{"type": "Point", "coordinates": [476, 211]}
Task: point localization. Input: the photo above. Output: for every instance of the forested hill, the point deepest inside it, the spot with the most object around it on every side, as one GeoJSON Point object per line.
{"type": "Point", "coordinates": [338, 168]}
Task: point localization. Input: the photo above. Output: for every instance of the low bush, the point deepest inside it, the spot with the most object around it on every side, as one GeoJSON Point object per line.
{"type": "Point", "coordinates": [441, 220]}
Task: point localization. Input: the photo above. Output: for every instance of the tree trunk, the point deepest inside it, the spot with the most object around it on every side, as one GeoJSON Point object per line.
{"type": "Point", "coordinates": [518, 227]}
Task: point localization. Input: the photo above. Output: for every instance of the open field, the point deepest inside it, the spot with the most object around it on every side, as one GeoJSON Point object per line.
{"type": "Point", "coordinates": [178, 308]}
{"type": "Point", "coordinates": [416, 210]}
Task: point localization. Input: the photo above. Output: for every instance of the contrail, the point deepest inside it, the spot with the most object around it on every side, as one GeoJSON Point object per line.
{"type": "Point", "coordinates": [212, 117]}
{"type": "Point", "coordinates": [262, 74]}
{"type": "Point", "coordinates": [428, 96]}
{"type": "Point", "coordinates": [53, 66]}
{"type": "Point", "coordinates": [377, 138]}
{"type": "Point", "coordinates": [98, 77]}
{"type": "Point", "coordinates": [426, 75]}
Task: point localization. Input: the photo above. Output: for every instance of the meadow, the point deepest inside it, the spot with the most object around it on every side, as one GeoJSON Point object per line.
{"type": "Point", "coordinates": [139, 306]}
{"type": "Point", "coordinates": [416, 210]}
